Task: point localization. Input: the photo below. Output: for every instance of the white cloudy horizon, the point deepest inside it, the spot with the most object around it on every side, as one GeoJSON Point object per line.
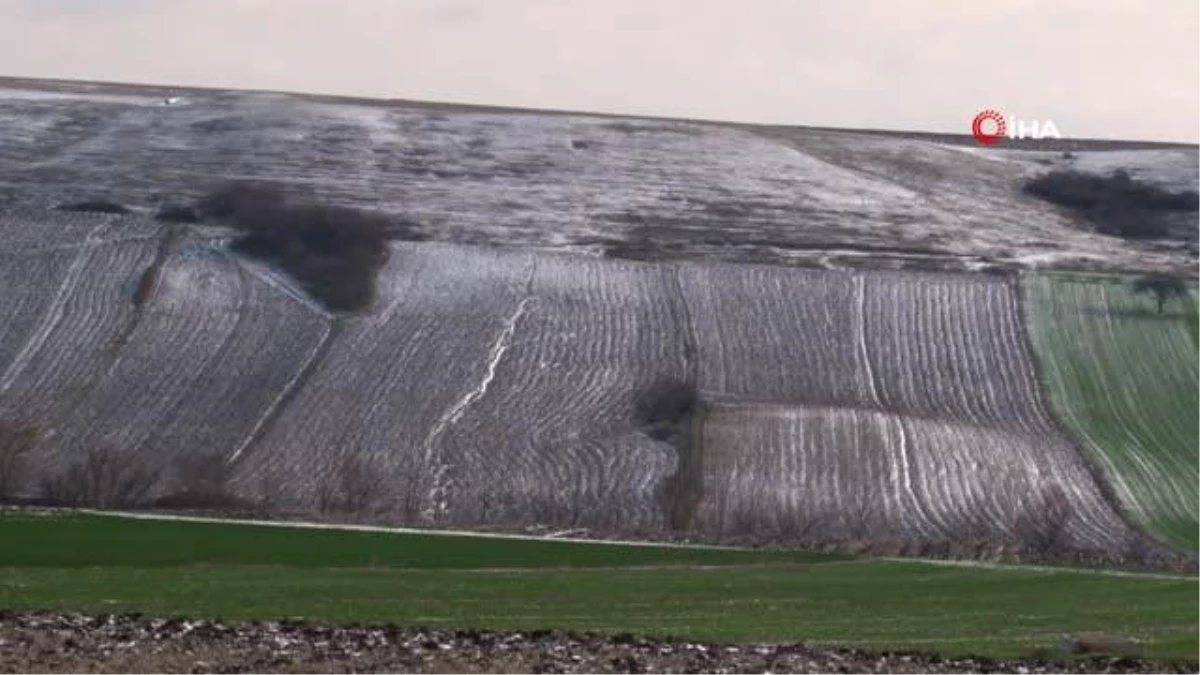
{"type": "Point", "coordinates": [1099, 69]}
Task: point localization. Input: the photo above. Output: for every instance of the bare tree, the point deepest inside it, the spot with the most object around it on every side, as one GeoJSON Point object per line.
{"type": "Point", "coordinates": [408, 487]}
{"type": "Point", "coordinates": [355, 488]}
{"type": "Point", "coordinates": [267, 500]}
{"type": "Point", "coordinates": [362, 484]}
{"type": "Point", "coordinates": [799, 525]}
{"type": "Point", "coordinates": [1042, 525]}
{"type": "Point", "coordinates": [1162, 288]}
{"type": "Point", "coordinates": [101, 478]}
{"type": "Point", "coordinates": [1137, 551]}
{"type": "Point", "coordinates": [740, 522]}
{"type": "Point", "coordinates": [861, 516]}
{"type": "Point", "coordinates": [201, 481]}
{"type": "Point", "coordinates": [16, 444]}
{"type": "Point", "coordinates": [328, 499]}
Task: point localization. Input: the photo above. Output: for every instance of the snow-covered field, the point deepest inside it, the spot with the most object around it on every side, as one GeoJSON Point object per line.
{"type": "Point", "coordinates": [674, 189]}
{"type": "Point", "coordinates": [878, 402]}
{"type": "Point", "coordinates": [493, 386]}
{"type": "Point", "coordinates": [494, 380]}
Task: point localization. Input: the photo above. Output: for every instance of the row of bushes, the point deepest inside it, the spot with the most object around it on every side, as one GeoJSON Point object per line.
{"type": "Point", "coordinates": [1116, 205]}
{"type": "Point", "coordinates": [103, 478]}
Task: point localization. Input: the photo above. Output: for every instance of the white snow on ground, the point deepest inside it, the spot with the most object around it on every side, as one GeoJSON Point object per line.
{"type": "Point", "coordinates": [1051, 259]}
{"type": "Point", "coordinates": [525, 381]}
{"type": "Point", "coordinates": [521, 370]}
{"type": "Point", "coordinates": [573, 181]}
{"type": "Point", "coordinates": [1176, 168]}
{"type": "Point", "coordinates": [54, 314]}
{"type": "Point", "coordinates": [46, 95]}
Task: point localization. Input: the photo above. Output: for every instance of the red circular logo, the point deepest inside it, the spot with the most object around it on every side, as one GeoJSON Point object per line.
{"type": "Point", "coordinates": [988, 127]}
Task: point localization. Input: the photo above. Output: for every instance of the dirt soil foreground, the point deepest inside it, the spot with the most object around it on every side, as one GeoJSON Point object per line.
{"type": "Point", "coordinates": [73, 643]}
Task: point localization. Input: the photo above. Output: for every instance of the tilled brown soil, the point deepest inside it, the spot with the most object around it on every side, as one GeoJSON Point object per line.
{"type": "Point", "coordinates": [74, 643]}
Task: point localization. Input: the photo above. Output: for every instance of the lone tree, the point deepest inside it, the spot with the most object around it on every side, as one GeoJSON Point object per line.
{"type": "Point", "coordinates": [1162, 288]}
{"type": "Point", "coordinates": [16, 444]}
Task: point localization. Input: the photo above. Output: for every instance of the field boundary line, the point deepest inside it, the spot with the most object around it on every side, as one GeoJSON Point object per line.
{"type": "Point", "coordinates": [979, 564]}
{"type": "Point", "coordinates": [351, 527]}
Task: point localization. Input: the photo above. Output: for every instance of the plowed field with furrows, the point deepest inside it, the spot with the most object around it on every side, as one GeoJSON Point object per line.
{"type": "Point", "coordinates": [493, 386]}
{"type": "Point", "coordinates": [891, 403]}
{"type": "Point", "coordinates": [870, 475]}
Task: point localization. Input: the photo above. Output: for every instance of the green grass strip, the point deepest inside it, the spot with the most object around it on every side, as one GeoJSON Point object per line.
{"type": "Point", "coordinates": [868, 603]}
{"type": "Point", "coordinates": [236, 571]}
{"type": "Point", "coordinates": [1124, 378]}
{"type": "Point", "coordinates": [86, 540]}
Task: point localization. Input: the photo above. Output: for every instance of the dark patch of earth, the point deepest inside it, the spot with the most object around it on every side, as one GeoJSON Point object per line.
{"type": "Point", "coordinates": [45, 642]}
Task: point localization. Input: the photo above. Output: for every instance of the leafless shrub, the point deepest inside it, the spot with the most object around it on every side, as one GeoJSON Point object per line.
{"type": "Point", "coordinates": [328, 499]}
{"type": "Point", "coordinates": [102, 479]}
{"type": "Point", "coordinates": [409, 495]}
{"type": "Point", "coordinates": [975, 536]}
{"type": "Point", "coordinates": [542, 508]}
{"type": "Point", "coordinates": [16, 444]}
{"type": "Point", "coordinates": [362, 485]}
{"type": "Point", "coordinates": [970, 530]}
{"type": "Point", "coordinates": [1139, 552]}
{"type": "Point", "coordinates": [802, 526]}
{"type": "Point", "coordinates": [356, 488]}
{"type": "Point", "coordinates": [202, 481]}
{"type": "Point", "coordinates": [1042, 526]}
{"type": "Point", "coordinates": [740, 522]}
{"type": "Point", "coordinates": [267, 500]}
{"type": "Point", "coordinates": [861, 516]}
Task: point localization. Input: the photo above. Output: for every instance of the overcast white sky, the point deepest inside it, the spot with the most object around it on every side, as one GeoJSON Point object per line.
{"type": "Point", "coordinates": [1097, 68]}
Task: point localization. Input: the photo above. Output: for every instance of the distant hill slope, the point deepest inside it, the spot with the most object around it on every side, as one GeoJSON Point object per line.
{"type": "Point", "coordinates": [498, 378]}
{"type": "Point", "coordinates": [499, 387]}
{"type": "Point", "coordinates": [602, 184]}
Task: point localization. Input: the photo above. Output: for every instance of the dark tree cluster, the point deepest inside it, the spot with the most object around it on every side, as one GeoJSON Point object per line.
{"type": "Point", "coordinates": [334, 252]}
{"type": "Point", "coordinates": [1162, 288]}
{"type": "Point", "coordinates": [178, 214]}
{"type": "Point", "coordinates": [664, 409]}
{"type": "Point", "coordinates": [102, 478]}
{"type": "Point", "coordinates": [1116, 205]}
{"type": "Point", "coordinates": [16, 445]}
